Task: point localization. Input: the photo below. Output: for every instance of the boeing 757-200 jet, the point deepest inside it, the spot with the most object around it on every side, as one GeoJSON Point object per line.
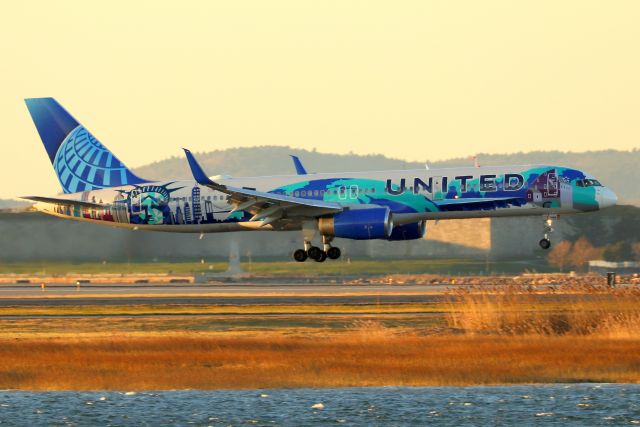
{"type": "Point", "coordinates": [389, 205]}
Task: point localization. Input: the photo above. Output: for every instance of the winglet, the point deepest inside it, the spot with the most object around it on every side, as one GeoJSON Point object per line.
{"type": "Point", "coordinates": [196, 169]}
{"type": "Point", "coordinates": [300, 170]}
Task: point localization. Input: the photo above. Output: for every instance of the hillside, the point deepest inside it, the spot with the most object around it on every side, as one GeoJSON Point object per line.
{"type": "Point", "coordinates": [13, 204]}
{"type": "Point", "coordinates": [615, 169]}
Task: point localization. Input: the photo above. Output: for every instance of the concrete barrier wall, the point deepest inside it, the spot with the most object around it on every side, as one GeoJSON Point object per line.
{"type": "Point", "coordinates": [34, 236]}
{"type": "Point", "coordinates": [29, 236]}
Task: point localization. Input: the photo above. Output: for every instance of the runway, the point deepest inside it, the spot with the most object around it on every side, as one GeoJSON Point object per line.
{"type": "Point", "coordinates": [219, 294]}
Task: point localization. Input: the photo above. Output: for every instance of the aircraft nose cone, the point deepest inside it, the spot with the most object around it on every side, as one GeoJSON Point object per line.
{"type": "Point", "coordinates": [608, 198]}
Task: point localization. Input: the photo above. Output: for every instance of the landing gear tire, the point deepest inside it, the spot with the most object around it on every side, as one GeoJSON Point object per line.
{"type": "Point", "coordinates": [315, 253]}
{"type": "Point", "coordinates": [322, 257]}
{"type": "Point", "coordinates": [300, 255]}
{"type": "Point", "coordinates": [545, 243]}
{"type": "Point", "coordinates": [333, 252]}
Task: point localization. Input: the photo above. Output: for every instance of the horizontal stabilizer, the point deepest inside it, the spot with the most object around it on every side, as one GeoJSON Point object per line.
{"type": "Point", "coordinates": [65, 202]}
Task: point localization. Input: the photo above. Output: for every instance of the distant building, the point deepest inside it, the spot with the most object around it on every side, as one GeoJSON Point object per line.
{"type": "Point", "coordinates": [187, 213]}
{"type": "Point", "coordinates": [625, 267]}
{"type": "Point", "coordinates": [208, 208]}
{"type": "Point", "coordinates": [197, 210]}
{"type": "Point", "coordinates": [179, 217]}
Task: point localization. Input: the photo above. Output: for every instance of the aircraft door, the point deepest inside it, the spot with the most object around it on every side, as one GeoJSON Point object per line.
{"type": "Point", "coordinates": [342, 192]}
{"type": "Point", "coordinates": [353, 192]}
{"type": "Point", "coordinates": [436, 188]}
{"type": "Point", "coordinates": [552, 184]}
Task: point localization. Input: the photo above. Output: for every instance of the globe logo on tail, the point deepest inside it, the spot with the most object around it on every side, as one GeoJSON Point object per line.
{"type": "Point", "coordinates": [82, 163]}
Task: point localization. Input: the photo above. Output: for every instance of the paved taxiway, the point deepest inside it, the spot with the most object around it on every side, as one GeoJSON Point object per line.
{"type": "Point", "coordinates": [234, 294]}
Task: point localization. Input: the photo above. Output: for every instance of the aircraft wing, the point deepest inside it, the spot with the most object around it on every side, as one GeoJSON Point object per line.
{"type": "Point", "coordinates": [65, 202]}
{"type": "Point", "coordinates": [265, 207]}
{"type": "Point", "coordinates": [462, 203]}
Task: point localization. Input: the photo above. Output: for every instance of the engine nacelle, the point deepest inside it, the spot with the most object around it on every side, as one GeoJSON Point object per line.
{"type": "Point", "coordinates": [358, 224]}
{"type": "Point", "coordinates": [413, 231]}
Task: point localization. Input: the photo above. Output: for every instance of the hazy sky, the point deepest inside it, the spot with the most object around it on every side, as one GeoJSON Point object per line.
{"type": "Point", "coordinates": [419, 80]}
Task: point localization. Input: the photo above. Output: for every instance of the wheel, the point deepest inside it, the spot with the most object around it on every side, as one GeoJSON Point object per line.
{"type": "Point", "coordinates": [314, 252]}
{"type": "Point", "coordinates": [333, 252]}
{"type": "Point", "coordinates": [545, 243]}
{"type": "Point", "coordinates": [322, 257]}
{"type": "Point", "coordinates": [300, 255]}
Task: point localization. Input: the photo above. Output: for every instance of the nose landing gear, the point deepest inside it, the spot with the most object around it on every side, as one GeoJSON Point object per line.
{"type": "Point", "coordinates": [545, 243]}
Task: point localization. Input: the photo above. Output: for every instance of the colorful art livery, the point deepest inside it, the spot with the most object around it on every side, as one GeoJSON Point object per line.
{"type": "Point", "coordinates": [188, 203]}
{"type": "Point", "coordinates": [81, 162]}
{"type": "Point", "coordinates": [155, 205]}
{"type": "Point", "coordinates": [392, 205]}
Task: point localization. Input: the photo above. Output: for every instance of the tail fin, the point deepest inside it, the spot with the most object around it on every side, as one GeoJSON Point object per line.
{"type": "Point", "coordinates": [81, 162]}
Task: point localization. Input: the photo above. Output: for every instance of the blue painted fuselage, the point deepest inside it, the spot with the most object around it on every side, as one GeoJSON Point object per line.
{"type": "Point", "coordinates": [413, 195]}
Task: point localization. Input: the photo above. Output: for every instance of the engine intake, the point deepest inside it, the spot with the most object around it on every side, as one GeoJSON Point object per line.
{"type": "Point", "coordinates": [358, 224]}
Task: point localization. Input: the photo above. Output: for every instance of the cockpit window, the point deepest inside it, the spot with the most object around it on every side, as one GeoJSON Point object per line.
{"type": "Point", "coordinates": [588, 183]}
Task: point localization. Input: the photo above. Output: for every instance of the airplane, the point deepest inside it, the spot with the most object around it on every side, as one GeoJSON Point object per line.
{"type": "Point", "coordinates": [392, 205]}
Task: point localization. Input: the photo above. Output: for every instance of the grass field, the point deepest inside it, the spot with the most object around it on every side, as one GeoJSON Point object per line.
{"type": "Point", "coordinates": [480, 335]}
{"type": "Point", "coordinates": [365, 357]}
{"type": "Point", "coordinates": [285, 268]}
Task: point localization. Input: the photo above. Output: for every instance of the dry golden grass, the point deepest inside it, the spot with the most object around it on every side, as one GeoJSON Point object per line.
{"type": "Point", "coordinates": [222, 309]}
{"type": "Point", "coordinates": [574, 310]}
{"type": "Point", "coordinates": [369, 355]}
{"type": "Point", "coordinates": [510, 334]}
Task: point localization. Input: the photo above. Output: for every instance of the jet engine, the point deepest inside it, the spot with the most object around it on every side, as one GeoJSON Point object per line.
{"type": "Point", "coordinates": [413, 231]}
{"type": "Point", "coordinates": [358, 224]}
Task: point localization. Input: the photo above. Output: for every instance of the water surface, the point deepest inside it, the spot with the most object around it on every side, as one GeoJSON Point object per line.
{"type": "Point", "coordinates": [562, 405]}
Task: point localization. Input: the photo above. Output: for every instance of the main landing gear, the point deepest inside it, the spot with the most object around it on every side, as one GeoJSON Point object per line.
{"type": "Point", "coordinates": [317, 254]}
{"type": "Point", "coordinates": [545, 243]}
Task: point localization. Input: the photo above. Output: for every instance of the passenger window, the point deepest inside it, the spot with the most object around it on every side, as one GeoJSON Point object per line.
{"type": "Point", "coordinates": [316, 192]}
{"type": "Point", "coordinates": [296, 194]}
